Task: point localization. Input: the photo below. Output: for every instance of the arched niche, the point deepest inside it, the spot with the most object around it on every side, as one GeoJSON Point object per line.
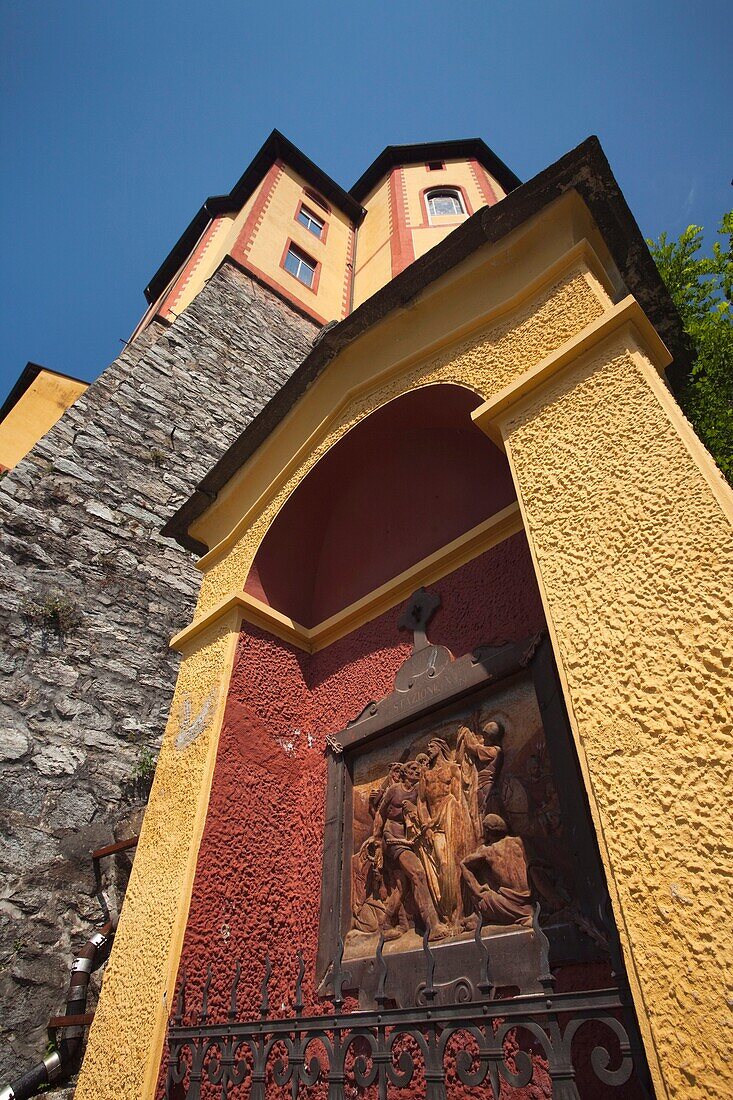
{"type": "Point", "coordinates": [406, 481]}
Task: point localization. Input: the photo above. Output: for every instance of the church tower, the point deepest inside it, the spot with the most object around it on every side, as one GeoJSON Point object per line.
{"type": "Point", "coordinates": [323, 249]}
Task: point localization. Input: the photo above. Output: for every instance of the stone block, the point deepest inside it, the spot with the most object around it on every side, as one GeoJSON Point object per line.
{"type": "Point", "coordinates": [14, 743]}
{"type": "Point", "coordinates": [57, 759]}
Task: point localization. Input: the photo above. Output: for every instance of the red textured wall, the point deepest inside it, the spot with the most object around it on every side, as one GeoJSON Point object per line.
{"type": "Point", "coordinates": [258, 878]}
{"type": "Point", "coordinates": [404, 482]}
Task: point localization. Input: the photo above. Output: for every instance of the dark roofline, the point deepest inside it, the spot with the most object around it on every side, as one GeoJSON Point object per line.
{"type": "Point", "coordinates": [276, 147]}
{"type": "Point", "coordinates": [25, 380]}
{"type": "Point", "coordinates": [463, 148]}
{"type": "Point", "coordinates": [584, 170]}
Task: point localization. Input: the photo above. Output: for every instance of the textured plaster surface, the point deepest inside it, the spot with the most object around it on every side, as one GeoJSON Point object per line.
{"type": "Point", "coordinates": [132, 1002]}
{"type": "Point", "coordinates": [485, 364]}
{"type": "Point", "coordinates": [636, 565]}
{"type": "Point", "coordinates": [258, 876]}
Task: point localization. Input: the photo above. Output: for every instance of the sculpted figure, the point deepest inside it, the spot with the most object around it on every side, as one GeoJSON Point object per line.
{"type": "Point", "coordinates": [481, 758]}
{"type": "Point", "coordinates": [496, 875]}
{"type": "Point", "coordinates": [448, 829]}
{"type": "Point", "coordinates": [394, 775]}
{"type": "Point", "coordinates": [543, 800]}
{"type": "Point", "coordinates": [422, 759]}
{"type": "Point", "coordinates": [397, 834]}
{"type": "Point", "coordinates": [531, 802]}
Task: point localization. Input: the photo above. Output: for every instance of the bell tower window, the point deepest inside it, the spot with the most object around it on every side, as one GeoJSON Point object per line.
{"type": "Point", "coordinates": [446, 202]}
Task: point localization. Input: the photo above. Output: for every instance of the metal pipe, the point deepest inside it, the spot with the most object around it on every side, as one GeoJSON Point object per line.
{"type": "Point", "coordinates": [63, 1062]}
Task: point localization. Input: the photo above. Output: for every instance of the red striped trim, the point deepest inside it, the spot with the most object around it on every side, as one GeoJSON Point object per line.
{"type": "Point", "coordinates": [174, 294]}
{"type": "Point", "coordinates": [400, 239]}
{"type": "Point", "coordinates": [482, 182]}
{"type": "Point", "coordinates": [241, 247]}
{"type": "Point", "coordinates": [349, 273]}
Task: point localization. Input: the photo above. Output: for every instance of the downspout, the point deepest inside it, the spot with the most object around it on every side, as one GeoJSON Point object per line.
{"type": "Point", "coordinates": [355, 231]}
{"type": "Point", "coordinates": [65, 1060]}
{"type": "Point", "coordinates": [61, 1063]}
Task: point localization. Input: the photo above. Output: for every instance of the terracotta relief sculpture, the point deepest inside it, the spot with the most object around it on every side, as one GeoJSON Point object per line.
{"type": "Point", "coordinates": [445, 836]}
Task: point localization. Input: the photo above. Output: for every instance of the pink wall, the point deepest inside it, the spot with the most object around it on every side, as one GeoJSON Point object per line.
{"type": "Point", "coordinates": [406, 481]}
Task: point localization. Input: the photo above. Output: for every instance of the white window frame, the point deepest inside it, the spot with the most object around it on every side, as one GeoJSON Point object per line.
{"type": "Point", "coordinates": [444, 192]}
{"type": "Point", "coordinates": [304, 262]}
{"type": "Point", "coordinates": [308, 219]}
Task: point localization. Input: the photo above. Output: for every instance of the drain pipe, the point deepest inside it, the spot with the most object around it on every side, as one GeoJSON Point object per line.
{"type": "Point", "coordinates": [61, 1063]}
{"type": "Point", "coordinates": [65, 1060]}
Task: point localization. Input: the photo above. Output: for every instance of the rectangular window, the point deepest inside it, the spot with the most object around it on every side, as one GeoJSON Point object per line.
{"type": "Point", "coordinates": [300, 265]}
{"type": "Point", "coordinates": [311, 222]}
{"type": "Point", "coordinates": [436, 166]}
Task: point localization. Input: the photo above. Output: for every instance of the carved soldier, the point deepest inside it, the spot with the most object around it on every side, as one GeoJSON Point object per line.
{"type": "Point", "coordinates": [497, 877]}
{"type": "Point", "coordinates": [531, 803]}
{"type": "Point", "coordinates": [391, 836]}
{"type": "Point", "coordinates": [481, 759]}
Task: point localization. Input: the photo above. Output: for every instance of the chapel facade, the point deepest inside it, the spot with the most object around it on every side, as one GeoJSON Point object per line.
{"type": "Point", "coordinates": [420, 819]}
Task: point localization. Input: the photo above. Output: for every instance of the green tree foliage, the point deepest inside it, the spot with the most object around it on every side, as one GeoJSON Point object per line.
{"type": "Point", "coordinates": [701, 288]}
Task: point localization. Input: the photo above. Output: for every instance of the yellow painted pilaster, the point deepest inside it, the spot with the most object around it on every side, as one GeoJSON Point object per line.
{"type": "Point", "coordinates": [126, 1040]}
{"type": "Point", "coordinates": [630, 527]}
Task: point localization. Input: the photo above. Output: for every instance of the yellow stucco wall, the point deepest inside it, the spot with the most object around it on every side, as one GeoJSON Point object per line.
{"type": "Point", "coordinates": [46, 399]}
{"type": "Point", "coordinates": [280, 224]}
{"type": "Point", "coordinates": [627, 520]}
{"type": "Point", "coordinates": [567, 295]}
{"type": "Point", "coordinates": [484, 363]}
{"type": "Point", "coordinates": [625, 517]}
{"type": "Point", "coordinates": [189, 285]}
{"type": "Point", "coordinates": [125, 1041]}
{"type": "Point", "coordinates": [373, 266]}
{"type": "Point", "coordinates": [267, 246]}
{"type": "Point", "coordinates": [457, 173]}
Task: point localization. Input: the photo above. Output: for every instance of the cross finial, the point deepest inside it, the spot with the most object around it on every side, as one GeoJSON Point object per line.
{"type": "Point", "coordinates": [418, 612]}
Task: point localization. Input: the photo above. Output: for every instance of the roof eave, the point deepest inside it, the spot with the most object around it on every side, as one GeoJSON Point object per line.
{"type": "Point", "coordinates": [416, 153]}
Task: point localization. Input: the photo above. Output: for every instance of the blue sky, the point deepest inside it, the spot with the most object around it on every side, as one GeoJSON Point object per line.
{"type": "Point", "coordinates": [118, 119]}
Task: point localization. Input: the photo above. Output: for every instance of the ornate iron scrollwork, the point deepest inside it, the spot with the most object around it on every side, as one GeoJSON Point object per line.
{"type": "Point", "coordinates": [393, 1048]}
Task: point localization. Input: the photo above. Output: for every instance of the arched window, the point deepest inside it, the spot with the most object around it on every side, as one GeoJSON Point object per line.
{"type": "Point", "coordinates": [445, 202]}
{"type": "Point", "coordinates": [318, 199]}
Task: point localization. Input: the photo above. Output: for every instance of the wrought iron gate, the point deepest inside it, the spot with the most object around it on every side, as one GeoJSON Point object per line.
{"type": "Point", "coordinates": [377, 1053]}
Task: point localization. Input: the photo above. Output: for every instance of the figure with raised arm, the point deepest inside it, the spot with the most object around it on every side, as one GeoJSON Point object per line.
{"type": "Point", "coordinates": [448, 829]}
{"type": "Point", "coordinates": [481, 757]}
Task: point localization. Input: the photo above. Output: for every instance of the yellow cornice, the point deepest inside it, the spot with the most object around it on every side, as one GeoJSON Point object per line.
{"type": "Point", "coordinates": [502, 525]}
{"type": "Point", "coordinates": [626, 315]}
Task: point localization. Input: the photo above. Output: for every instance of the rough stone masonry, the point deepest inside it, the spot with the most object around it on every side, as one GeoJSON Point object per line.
{"type": "Point", "coordinates": [91, 596]}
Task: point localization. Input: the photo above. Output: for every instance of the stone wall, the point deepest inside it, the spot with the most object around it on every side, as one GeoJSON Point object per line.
{"type": "Point", "coordinates": [91, 595]}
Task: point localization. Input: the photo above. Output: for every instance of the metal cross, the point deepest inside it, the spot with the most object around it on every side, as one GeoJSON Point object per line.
{"type": "Point", "coordinates": [418, 612]}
